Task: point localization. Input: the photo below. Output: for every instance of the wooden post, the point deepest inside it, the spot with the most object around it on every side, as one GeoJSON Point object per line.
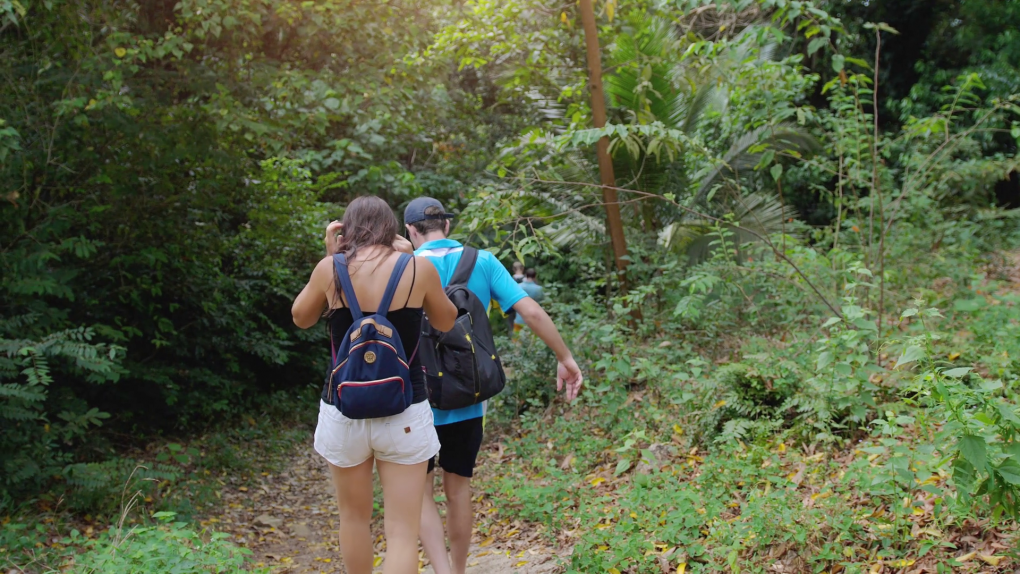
{"type": "Point", "coordinates": [598, 111]}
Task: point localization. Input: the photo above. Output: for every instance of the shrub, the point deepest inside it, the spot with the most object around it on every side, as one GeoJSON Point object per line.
{"type": "Point", "coordinates": [35, 430]}
{"type": "Point", "coordinates": [169, 547]}
{"type": "Point", "coordinates": [751, 399]}
{"type": "Point", "coordinates": [206, 340]}
{"type": "Point", "coordinates": [97, 486]}
{"type": "Point", "coordinates": [975, 422]}
{"type": "Point", "coordinates": [530, 367]}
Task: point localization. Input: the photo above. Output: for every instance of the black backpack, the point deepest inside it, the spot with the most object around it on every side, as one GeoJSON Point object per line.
{"type": "Point", "coordinates": [461, 365]}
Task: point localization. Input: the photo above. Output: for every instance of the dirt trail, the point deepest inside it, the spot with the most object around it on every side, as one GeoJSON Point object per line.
{"type": "Point", "coordinates": [290, 520]}
{"type": "Point", "coordinates": [1010, 270]}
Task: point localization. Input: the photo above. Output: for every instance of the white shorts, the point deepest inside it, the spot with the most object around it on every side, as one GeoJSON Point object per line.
{"type": "Point", "coordinates": [407, 438]}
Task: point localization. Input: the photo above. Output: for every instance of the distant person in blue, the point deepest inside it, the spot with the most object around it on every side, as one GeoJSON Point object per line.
{"type": "Point", "coordinates": [518, 268]}
{"type": "Point", "coordinates": [534, 290]}
{"type": "Point", "coordinates": [460, 431]}
{"type": "Point", "coordinates": [511, 315]}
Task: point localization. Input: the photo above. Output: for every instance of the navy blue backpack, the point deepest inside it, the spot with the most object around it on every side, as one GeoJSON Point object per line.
{"type": "Point", "coordinates": [370, 377]}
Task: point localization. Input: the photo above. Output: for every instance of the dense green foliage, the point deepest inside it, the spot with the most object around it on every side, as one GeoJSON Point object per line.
{"type": "Point", "coordinates": [167, 168]}
{"type": "Point", "coordinates": [938, 41]}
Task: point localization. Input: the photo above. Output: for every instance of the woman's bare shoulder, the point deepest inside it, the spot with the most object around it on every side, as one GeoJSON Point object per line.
{"type": "Point", "coordinates": [422, 260]}
{"type": "Point", "coordinates": [425, 267]}
{"type": "Point", "coordinates": [324, 268]}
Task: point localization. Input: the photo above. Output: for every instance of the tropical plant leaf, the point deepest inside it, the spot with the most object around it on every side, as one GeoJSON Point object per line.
{"type": "Point", "coordinates": [754, 215]}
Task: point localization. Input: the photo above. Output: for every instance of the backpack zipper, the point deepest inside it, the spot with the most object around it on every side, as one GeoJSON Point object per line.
{"type": "Point", "coordinates": [474, 360]}
{"type": "Point", "coordinates": [339, 387]}
{"type": "Point", "coordinates": [356, 347]}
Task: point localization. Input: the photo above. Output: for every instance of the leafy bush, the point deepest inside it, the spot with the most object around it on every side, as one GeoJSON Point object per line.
{"type": "Point", "coordinates": [753, 399]}
{"type": "Point", "coordinates": [977, 421]}
{"type": "Point", "coordinates": [841, 393]}
{"type": "Point", "coordinates": [170, 547]}
{"type": "Point", "coordinates": [34, 428]}
{"type": "Point", "coordinates": [197, 334]}
{"type": "Point", "coordinates": [97, 487]}
{"type": "Point", "coordinates": [764, 385]}
{"type": "Point", "coordinates": [531, 368]}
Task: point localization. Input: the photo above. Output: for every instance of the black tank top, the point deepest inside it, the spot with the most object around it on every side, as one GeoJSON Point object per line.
{"type": "Point", "coordinates": [407, 321]}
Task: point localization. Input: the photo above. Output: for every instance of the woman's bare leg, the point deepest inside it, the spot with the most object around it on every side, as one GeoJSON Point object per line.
{"type": "Point", "coordinates": [460, 518]}
{"type": "Point", "coordinates": [403, 488]}
{"type": "Point", "coordinates": [354, 499]}
{"type": "Point", "coordinates": [433, 534]}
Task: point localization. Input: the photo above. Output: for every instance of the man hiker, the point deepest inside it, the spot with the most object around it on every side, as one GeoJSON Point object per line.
{"type": "Point", "coordinates": [533, 290]}
{"type": "Point", "coordinates": [460, 430]}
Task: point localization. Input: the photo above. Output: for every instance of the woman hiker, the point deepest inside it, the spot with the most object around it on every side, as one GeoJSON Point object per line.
{"type": "Point", "coordinates": [401, 445]}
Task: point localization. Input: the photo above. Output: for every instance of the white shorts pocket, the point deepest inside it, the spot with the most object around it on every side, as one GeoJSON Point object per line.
{"type": "Point", "coordinates": [409, 438]}
{"type": "Point", "coordinates": [332, 437]}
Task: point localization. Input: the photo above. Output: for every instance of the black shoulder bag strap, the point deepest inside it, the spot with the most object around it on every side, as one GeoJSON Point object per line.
{"type": "Point", "coordinates": [465, 266]}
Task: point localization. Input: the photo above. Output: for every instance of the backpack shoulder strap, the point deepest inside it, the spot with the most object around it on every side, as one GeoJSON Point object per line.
{"type": "Point", "coordinates": [391, 287]}
{"type": "Point", "coordinates": [465, 266]}
{"type": "Point", "coordinates": [340, 265]}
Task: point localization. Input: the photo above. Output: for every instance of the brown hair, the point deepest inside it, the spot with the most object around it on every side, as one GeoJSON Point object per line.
{"type": "Point", "coordinates": [368, 221]}
{"type": "Point", "coordinates": [530, 274]}
{"type": "Point", "coordinates": [427, 226]}
{"type": "Point", "coordinates": [518, 266]}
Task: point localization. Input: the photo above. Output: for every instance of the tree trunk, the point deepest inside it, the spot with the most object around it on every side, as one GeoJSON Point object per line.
{"type": "Point", "coordinates": [614, 223]}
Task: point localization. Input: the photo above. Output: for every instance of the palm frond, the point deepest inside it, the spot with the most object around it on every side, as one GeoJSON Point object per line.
{"type": "Point", "coordinates": [688, 111]}
{"type": "Point", "coordinates": [574, 226]}
{"type": "Point", "coordinates": [760, 213]}
{"type": "Point", "coordinates": [640, 82]}
{"type": "Point", "coordinates": [739, 160]}
{"type": "Point", "coordinates": [580, 217]}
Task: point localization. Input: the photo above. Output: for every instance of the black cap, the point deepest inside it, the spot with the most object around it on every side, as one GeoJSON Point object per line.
{"type": "Point", "coordinates": [415, 211]}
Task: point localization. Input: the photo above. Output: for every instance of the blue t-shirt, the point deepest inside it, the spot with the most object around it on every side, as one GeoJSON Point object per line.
{"type": "Point", "coordinates": [534, 290]}
{"type": "Point", "coordinates": [489, 281]}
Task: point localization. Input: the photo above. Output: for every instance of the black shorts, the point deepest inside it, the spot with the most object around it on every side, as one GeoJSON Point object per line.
{"type": "Point", "coordinates": [459, 445]}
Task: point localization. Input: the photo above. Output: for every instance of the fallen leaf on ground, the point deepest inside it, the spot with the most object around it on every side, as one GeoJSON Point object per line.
{"type": "Point", "coordinates": [966, 557]}
{"type": "Point", "coordinates": [268, 520]}
{"type": "Point", "coordinates": [990, 560]}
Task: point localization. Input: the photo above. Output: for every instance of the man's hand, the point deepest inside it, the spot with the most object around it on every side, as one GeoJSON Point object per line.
{"type": "Point", "coordinates": [539, 322]}
{"type": "Point", "coordinates": [567, 372]}
{"type": "Point", "coordinates": [332, 239]}
{"type": "Point", "coordinates": [402, 244]}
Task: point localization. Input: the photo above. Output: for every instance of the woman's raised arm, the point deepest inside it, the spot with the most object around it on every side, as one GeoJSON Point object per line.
{"type": "Point", "coordinates": [311, 301]}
